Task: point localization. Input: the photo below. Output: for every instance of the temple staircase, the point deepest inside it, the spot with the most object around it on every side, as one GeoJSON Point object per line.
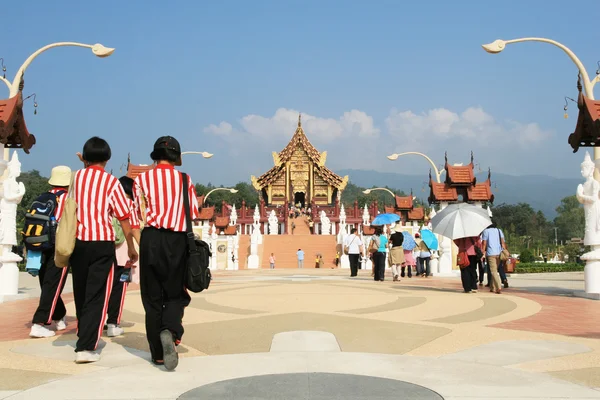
{"type": "Point", "coordinates": [285, 247]}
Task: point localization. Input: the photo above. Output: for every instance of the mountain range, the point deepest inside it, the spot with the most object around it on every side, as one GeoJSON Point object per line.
{"type": "Point", "coordinates": [541, 192]}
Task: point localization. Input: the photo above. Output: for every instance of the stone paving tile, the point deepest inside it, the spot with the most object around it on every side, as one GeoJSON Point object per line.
{"type": "Point", "coordinates": [559, 315]}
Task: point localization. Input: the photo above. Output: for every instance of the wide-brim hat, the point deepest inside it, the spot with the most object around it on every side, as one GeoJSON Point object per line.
{"type": "Point", "coordinates": [168, 143]}
{"type": "Point", "coordinates": [60, 176]}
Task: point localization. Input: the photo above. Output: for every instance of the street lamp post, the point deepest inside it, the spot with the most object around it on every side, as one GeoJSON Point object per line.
{"type": "Point", "coordinates": [368, 191]}
{"type": "Point", "coordinates": [498, 45]}
{"type": "Point", "coordinates": [13, 87]}
{"type": "Point", "coordinates": [438, 172]}
{"type": "Point", "coordinates": [231, 190]}
{"type": "Point", "coordinates": [204, 154]}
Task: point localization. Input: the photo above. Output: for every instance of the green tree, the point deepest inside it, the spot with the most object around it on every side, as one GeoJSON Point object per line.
{"type": "Point", "coordinates": [570, 220]}
{"type": "Point", "coordinates": [245, 191]}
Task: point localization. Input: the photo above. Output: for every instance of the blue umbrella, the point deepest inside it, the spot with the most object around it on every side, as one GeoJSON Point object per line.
{"type": "Point", "coordinates": [409, 242]}
{"type": "Point", "coordinates": [429, 238]}
{"type": "Point", "coordinates": [385, 219]}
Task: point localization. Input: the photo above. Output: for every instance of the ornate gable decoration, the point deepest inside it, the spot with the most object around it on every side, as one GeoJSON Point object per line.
{"type": "Point", "coordinates": [13, 130]}
{"type": "Point", "coordinates": [587, 130]}
{"type": "Point", "coordinates": [299, 142]}
{"type": "Point", "coordinates": [460, 185]}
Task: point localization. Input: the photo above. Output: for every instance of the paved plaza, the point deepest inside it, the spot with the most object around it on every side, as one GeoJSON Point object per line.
{"type": "Point", "coordinates": [317, 334]}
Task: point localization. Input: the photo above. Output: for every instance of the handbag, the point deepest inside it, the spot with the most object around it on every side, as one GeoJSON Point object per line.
{"type": "Point", "coordinates": [347, 248]}
{"type": "Point", "coordinates": [504, 255]}
{"type": "Point", "coordinates": [374, 245]}
{"type": "Point", "coordinates": [198, 274]}
{"type": "Point", "coordinates": [66, 233]}
{"type": "Point", "coordinates": [463, 260]}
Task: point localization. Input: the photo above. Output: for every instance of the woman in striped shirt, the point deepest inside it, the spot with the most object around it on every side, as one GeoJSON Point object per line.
{"type": "Point", "coordinates": [99, 197]}
{"type": "Point", "coordinates": [163, 250]}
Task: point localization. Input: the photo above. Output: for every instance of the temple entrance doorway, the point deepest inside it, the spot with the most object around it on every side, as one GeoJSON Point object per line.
{"type": "Point", "coordinates": [299, 198]}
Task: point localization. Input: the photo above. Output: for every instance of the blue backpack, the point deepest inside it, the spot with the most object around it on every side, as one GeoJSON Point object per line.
{"type": "Point", "coordinates": [39, 230]}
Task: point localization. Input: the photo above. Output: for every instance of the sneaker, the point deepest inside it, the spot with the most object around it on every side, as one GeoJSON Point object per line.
{"type": "Point", "coordinates": [473, 291]}
{"type": "Point", "coordinates": [40, 331]}
{"type": "Point", "coordinates": [114, 330]}
{"type": "Point", "coordinates": [170, 356]}
{"type": "Point", "coordinates": [84, 357]}
{"type": "Point", "coordinates": [60, 325]}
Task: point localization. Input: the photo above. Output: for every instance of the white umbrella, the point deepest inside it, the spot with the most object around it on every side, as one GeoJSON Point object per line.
{"type": "Point", "coordinates": [460, 220]}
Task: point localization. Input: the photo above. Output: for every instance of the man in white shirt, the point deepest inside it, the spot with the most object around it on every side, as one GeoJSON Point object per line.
{"type": "Point", "coordinates": [353, 247]}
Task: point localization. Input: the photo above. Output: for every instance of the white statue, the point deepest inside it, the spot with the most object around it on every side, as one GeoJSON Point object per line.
{"type": "Point", "coordinates": [587, 194]}
{"type": "Point", "coordinates": [325, 224]}
{"type": "Point", "coordinates": [233, 216]}
{"type": "Point", "coordinates": [273, 223]}
{"type": "Point", "coordinates": [342, 215]}
{"type": "Point", "coordinates": [213, 232]}
{"type": "Point", "coordinates": [366, 217]}
{"type": "Point", "coordinates": [13, 194]}
{"type": "Point", "coordinates": [256, 216]}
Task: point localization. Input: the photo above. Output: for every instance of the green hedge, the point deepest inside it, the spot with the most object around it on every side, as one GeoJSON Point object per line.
{"type": "Point", "coordinates": [531, 268]}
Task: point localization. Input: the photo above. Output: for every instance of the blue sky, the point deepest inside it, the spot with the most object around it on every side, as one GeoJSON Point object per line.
{"type": "Point", "coordinates": [371, 78]}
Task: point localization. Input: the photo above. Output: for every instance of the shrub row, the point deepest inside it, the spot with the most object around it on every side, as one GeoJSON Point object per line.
{"type": "Point", "coordinates": [532, 268]}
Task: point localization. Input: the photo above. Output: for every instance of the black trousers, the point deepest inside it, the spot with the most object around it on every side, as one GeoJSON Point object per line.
{"type": "Point", "coordinates": [117, 297]}
{"type": "Point", "coordinates": [483, 270]}
{"type": "Point", "coordinates": [468, 275]}
{"type": "Point", "coordinates": [52, 282]}
{"type": "Point", "coordinates": [163, 255]}
{"type": "Point", "coordinates": [379, 262]}
{"type": "Point", "coordinates": [93, 265]}
{"type": "Point", "coordinates": [353, 264]}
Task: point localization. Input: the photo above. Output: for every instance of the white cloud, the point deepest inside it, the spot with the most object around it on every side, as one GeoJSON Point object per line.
{"type": "Point", "coordinates": [284, 121]}
{"type": "Point", "coordinates": [473, 124]}
{"type": "Point", "coordinates": [353, 140]}
{"type": "Point", "coordinates": [224, 128]}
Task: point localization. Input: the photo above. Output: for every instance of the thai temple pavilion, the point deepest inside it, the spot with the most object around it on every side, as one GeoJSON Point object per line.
{"type": "Point", "coordinates": [299, 174]}
{"type": "Point", "coordinates": [460, 186]}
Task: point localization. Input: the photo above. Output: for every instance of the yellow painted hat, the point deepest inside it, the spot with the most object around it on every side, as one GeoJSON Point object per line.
{"type": "Point", "coordinates": [60, 176]}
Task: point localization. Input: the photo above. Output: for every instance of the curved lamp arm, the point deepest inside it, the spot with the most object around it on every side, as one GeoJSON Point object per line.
{"type": "Point", "coordinates": [202, 153]}
{"type": "Point", "coordinates": [498, 45]}
{"type": "Point", "coordinates": [231, 190]}
{"type": "Point", "coordinates": [384, 189]}
{"type": "Point", "coordinates": [437, 172]}
{"type": "Point", "coordinates": [98, 50]}
{"type": "Point", "coordinates": [594, 81]}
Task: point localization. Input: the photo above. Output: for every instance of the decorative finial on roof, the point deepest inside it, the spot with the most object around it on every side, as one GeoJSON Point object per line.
{"type": "Point", "coordinates": [579, 87]}
{"type": "Point", "coordinates": [472, 157]}
{"type": "Point", "coordinates": [446, 157]}
{"type": "Point", "coordinates": [300, 120]}
{"type": "Point", "coordinates": [489, 174]}
{"type": "Point", "coordinates": [128, 159]}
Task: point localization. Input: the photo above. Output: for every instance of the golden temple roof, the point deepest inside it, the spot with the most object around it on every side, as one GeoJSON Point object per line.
{"type": "Point", "coordinates": [280, 159]}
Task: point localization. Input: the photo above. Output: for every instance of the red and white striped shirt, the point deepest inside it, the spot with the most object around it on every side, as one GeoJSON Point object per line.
{"type": "Point", "coordinates": [99, 196]}
{"type": "Point", "coordinates": [60, 206]}
{"type": "Point", "coordinates": [134, 220]}
{"type": "Point", "coordinates": [162, 190]}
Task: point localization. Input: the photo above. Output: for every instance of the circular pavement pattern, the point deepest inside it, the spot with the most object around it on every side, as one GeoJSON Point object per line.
{"type": "Point", "coordinates": [311, 386]}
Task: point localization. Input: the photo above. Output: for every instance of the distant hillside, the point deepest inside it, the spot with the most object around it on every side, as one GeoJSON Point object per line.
{"type": "Point", "coordinates": [541, 192]}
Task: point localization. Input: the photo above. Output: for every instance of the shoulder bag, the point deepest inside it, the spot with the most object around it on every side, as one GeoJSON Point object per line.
{"type": "Point", "coordinates": [374, 245]}
{"type": "Point", "coordinates": [66, 233]}
{"type": "Point", "coordinates": [347, 248]}
{"type": "Point", "coordinates": [504, 254]}
{"type": "Point", "coordinates": [198, 274]}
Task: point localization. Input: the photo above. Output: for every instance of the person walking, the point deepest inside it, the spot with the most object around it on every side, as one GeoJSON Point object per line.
{"type": "Point", "coordinates": [99, 197]}
{"type": "Point", "coordinates": [468, 274]}
{"type": "Point", "coordinates": [293, 227]}
{"type": "Point", "coordinates": [424, 258]}
{"type": "Point", "coordinates": [51, 307]}
{"type": "Point", "coordinates": [381, 241]}
{"type": "Point", "coordinates": [164, 249]}
{"type": "Point", "coordinates": [354, 248]}
{"type": "Point", "coordinates": [300, 255]}
{"type": "Point", "coordinates": [272, 261]}
{"type": "Point", "coordinates": [493, 243]}
{"type": "Point", "coordinates": [397, 254]}
{"type": "Point", "coordinates": [123, 269]}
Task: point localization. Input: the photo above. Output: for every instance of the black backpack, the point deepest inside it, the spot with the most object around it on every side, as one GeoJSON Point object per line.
{"type": "Point", "coordinates": [39, 230]}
